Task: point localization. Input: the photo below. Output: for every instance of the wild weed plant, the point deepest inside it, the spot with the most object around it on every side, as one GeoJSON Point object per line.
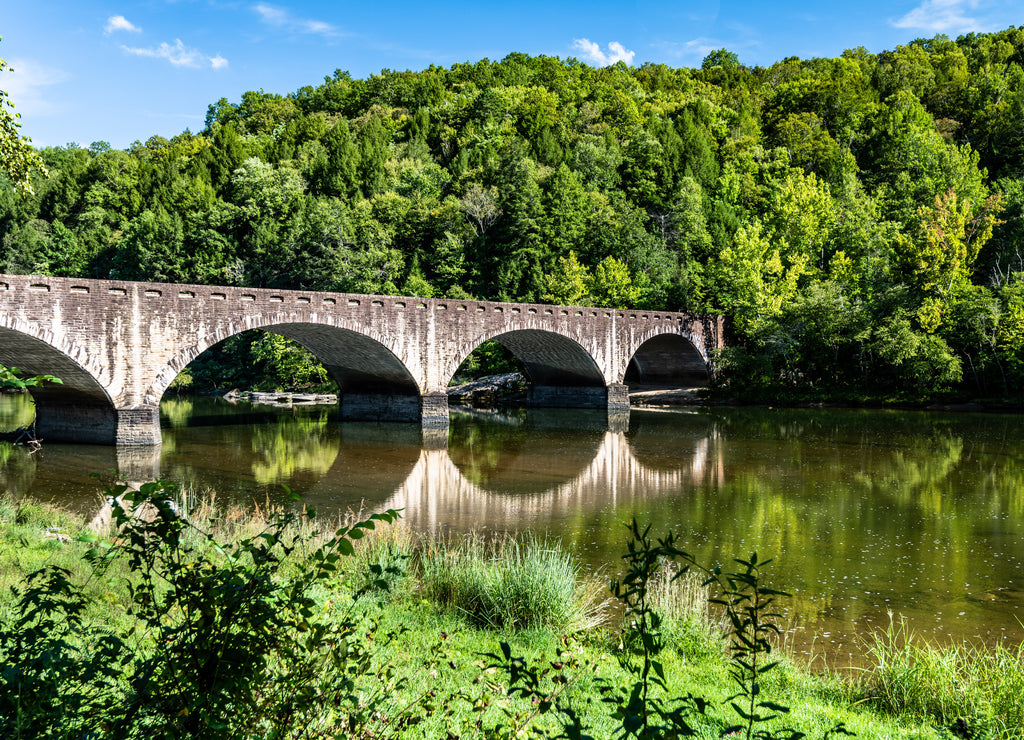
{"type": "Point", "coordinates": [644, 708]}
{"type": "Point", "coordinates": [213, 625]}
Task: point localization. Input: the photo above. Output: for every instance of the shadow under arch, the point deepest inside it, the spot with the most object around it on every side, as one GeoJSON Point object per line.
{"type": "Point", "coordinates": [561, 372]}
{"type": "Point", "coordinates": [79, 408]}
{"type": "Point", "coordinates": [373, 382]}
{"type": "Point", "coordinates": [667, 360]}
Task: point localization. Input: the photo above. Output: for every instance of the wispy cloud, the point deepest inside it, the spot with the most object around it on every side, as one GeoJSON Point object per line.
{"type": "Point", "coordinates": [179, 55]}
{"type": "Point", "coordinates": [283, 19]}
{"type": "Point", "coordinates": [120, 23]}
{"type": "Point", "coordinates": [940, 16]}
{"type": "Point", "coordinates": [26, 85]}
{"type": "Point", "coordinates": [591, 52]}
{"type": "Point", "coordinates": [694, 50]}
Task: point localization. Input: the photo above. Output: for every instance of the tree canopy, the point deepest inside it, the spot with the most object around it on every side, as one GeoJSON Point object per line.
{"type": "Point", "coordinates": [857, 219]}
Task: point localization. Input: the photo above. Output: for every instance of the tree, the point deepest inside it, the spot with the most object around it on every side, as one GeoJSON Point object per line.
{"type": "Point", "coordinates": [720, 58]}
{"type": "Point", "coordinates": [940, 257]}
{"type": "Point", "coordinates": [17, 157]}
{"type": "Point", "coordinates": [612, 285]}
{"type": "Point", "coordinates": [752, 280]}
{"type": "Point", "coordinates": [567, 284]}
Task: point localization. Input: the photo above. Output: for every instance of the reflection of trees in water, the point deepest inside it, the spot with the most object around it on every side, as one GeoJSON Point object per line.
{"type": "Point", "coordinates": [177, 411]}
{"type": "Point", "coordinates": [16, 411]}
{"type": "Point", "coordinates": [866, 512]}
{"type": "Point", "coordinates": [17, 469]}
{"type": "Point", "coordinates": [288, 446]}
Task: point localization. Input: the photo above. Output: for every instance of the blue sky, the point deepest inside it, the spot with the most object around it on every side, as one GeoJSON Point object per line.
{"type": "Point", "coordinates": [124, 70]}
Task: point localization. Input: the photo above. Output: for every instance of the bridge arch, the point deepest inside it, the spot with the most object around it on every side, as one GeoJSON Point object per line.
{"type": "Point", "coordinates": [368, 372]}
{"type": "Point", "coordinates": [80, 407]}
{"type": "Point", "coordinates": [663, 355]}
{"type": "Point", "coordinates": [562, 372]}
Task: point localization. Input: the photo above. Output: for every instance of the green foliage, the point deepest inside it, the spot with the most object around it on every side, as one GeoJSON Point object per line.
{"type": "Point", "coordinates": [751, 631]}
{"type": "Point", "coordinates": [13, 378]}
{"type": "Point", "coordinates": [283, 358]}
{"type": "Point", "coordinates": [225, 639]}
{"type": "Point", "coordinates": [640, 709]}
{"type": "Point", "coordinates": [490, 358]}
{"type": "Point", "coordinates": [720, 58]}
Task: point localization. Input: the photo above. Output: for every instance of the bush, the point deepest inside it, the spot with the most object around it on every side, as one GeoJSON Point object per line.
{"type": "Point", "coordinates": [225, 639]}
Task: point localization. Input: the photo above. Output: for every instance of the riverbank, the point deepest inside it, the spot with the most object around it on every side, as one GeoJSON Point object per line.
{"type": "Point", "coordinates": [396, 635]}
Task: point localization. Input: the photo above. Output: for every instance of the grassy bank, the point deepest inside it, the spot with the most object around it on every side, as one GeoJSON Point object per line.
{"type": "Point", "coordinates": [274, 623]}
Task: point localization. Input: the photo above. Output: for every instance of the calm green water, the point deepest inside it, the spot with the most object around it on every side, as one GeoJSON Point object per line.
{"type": "Point", "coordinates": [865, 512]}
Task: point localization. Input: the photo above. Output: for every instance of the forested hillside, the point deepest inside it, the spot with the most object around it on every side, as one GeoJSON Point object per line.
{"type": "Point", "coordinates": [857, 219]}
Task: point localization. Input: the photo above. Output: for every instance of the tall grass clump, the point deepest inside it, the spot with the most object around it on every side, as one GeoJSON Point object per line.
{"type": "Point", "coordinates": [511, 583]}
{"type": "Point", "coordinates": [687, 622]}
{"type": "Point", "coordinates": [974, 690]}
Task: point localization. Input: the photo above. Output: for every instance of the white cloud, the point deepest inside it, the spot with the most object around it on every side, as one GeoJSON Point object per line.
{"type": "Point", "coordinates": [179, 55]}
{"type": "Point", "coordinates": [273, 16]}
{"type": "Point", "coordinates": [694, 50]}
{"type": "Point", "coordinates": [591, 52]}
{"type": "Point", "coordinates": [701, 47]}
{"type": "Point", "coordinates": [26, 84]}
{"type": "Point", "coordinates": [283, 19]}
{"type": "Point", "coordinates": [120, 23]}
{"type": "Point", "coordinates": [941, 16]}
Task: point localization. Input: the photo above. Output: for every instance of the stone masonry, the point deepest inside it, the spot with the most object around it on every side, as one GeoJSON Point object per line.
{"type": "Point", "coordinates": [118, 345]}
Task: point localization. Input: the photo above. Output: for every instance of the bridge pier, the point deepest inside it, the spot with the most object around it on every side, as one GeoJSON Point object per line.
{"type": "Point", "coordinates": [614, 396]}
{"type": "Point", "coordinates": [430, 409]}
{"type": "Point", "coordinates": [103, 425]}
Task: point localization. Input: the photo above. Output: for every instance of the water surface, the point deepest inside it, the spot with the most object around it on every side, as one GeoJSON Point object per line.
{"type": "Point", "coordinates": [865, 512]}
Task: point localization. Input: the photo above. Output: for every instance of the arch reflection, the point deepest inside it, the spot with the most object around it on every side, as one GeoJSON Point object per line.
{"type": "Point", "coordinates": [548, 479]}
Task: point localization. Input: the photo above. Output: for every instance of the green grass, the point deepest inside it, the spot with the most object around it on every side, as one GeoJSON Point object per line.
{"type": "Point", "coordinates": [973, 687]}
{"type": "Point", "coordinates": [511, 583]}
{"type": "Point", "coordinates": [428, 633]}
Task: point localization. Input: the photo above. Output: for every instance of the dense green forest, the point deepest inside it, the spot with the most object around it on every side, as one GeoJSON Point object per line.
{"type": "Point", "coordinates": [858, 220]}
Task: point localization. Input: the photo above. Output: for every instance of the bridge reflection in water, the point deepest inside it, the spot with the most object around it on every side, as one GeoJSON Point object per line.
{"type": "Point", "coordinates": [516, 476]}
{"type": "Point", "coordinates": [516, 471]}
{"type": "Point", "coordinates": [498, 471]}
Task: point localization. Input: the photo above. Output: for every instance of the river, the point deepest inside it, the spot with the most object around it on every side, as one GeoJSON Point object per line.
{"type": "Point", "coordinates": [920, 514]}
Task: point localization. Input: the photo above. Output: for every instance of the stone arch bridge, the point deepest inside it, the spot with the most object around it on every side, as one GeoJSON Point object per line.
{"type": "Point", "coordinates": [118, 345]}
